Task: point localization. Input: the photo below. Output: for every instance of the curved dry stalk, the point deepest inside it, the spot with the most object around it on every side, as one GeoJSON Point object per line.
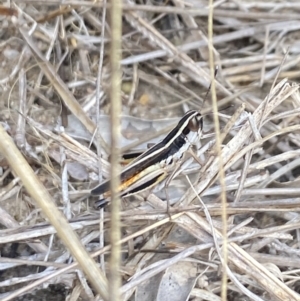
{"type": "Point", "coordinates": [43, 199]}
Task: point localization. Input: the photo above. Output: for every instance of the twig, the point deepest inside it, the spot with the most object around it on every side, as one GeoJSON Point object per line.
{"type": "Point", "coordinates": [223, 259]}
{"type": "Point", "coordinates": [115, 98]}
{"type": "Point", "coordinates": [42, 197]}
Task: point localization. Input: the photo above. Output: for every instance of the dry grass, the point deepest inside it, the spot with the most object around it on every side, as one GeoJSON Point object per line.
{"type": "Point", "coordinates": [55, 72]}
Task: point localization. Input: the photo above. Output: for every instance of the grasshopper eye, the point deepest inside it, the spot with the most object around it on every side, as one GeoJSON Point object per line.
{"type": "Point", "coordinates": [196, 123]}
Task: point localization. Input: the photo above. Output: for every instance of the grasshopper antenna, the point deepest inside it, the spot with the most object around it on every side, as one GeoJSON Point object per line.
{"type": "Point", "coordinates": [208, 90]}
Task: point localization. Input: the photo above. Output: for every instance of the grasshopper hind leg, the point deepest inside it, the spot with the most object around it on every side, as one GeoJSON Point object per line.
{"type": "Point", "coordinates": [148, 182]}
{"type": "Point", "coordinates": [101, 203]}
{"type": "Point", "coordinates": [101, 188]}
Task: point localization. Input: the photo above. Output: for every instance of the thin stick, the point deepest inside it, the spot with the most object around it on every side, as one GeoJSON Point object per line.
{"type": "Point", "coordinates": [98, 134]}
{"type": "Point", "coordinates": [38, 192]}
{"type": "Point", "coordinates": [20, 132]}
{"type": "Point", "coordinates": [115, 96]}
{"type": "Point", "coordinates": [263, 68]}
{"type": "Point", "coordinates": [224, 260]}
